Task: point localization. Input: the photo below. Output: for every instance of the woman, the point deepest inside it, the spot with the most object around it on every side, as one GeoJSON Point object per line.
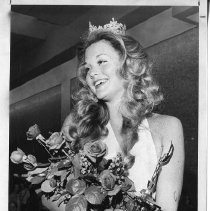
{"type": "Point", "coordinates": [115, 104]}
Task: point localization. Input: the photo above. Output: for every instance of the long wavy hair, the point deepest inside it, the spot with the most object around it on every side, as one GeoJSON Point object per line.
{"type": "Point", "coordinates": [141, 94]}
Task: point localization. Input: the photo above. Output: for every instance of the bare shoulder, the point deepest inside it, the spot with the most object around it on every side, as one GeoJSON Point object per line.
{"type": "Point", "coordinates": [164, 122]}
{"type": "Point", "coordinates": [166, 129]}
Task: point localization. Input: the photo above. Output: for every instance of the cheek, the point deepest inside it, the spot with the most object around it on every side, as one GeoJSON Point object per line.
{"type": "Point", "coordinates": [89, 82]}
{"type": "Point", "coordinates": [111, 69]}
{"type": "Point", "coordinates": [107, 69]}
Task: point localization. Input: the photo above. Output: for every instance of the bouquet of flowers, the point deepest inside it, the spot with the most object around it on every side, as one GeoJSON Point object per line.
{"type": "Point", "coordinates": [85, 180]}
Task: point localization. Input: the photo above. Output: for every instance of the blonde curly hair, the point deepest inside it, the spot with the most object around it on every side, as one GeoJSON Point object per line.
{"type": "Point", "coordinates": [141, 91]}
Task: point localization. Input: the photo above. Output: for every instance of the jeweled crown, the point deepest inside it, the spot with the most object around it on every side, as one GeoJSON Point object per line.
{"type": "Point", "coordinates": [113, 26]}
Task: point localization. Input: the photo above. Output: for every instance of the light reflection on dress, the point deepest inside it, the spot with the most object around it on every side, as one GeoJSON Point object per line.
{"type": "Point", "coordinates": [144, 152]}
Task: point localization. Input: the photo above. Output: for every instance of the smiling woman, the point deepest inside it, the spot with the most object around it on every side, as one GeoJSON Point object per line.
{"type": "Point", "coordinates": [117, 101]}
{"type": "Point", "coordinates": [115, 105]}
{"type": "Point", "coordinates": [102, 65]}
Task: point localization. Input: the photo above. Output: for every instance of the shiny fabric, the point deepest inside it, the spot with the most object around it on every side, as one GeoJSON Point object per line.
{"type": "Point", "coordinates": [144, 152]}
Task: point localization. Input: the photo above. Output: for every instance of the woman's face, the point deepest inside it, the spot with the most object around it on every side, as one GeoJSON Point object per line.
{"type": "Point", "coordinates": [102, 63]}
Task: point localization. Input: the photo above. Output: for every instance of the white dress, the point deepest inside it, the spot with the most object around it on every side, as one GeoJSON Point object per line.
{"type": "Point", "coordinates": [144, 152]}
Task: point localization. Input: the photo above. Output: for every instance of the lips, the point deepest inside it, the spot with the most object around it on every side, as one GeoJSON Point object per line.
{"type": "Point", "coordinates": [100, 82]}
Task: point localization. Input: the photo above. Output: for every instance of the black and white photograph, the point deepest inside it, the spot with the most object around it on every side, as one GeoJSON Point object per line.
{"type": "Point", "coordinates": [105, 108]}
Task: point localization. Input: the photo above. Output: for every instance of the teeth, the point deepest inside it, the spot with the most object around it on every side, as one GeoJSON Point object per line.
{"type": "Point", "coordinates": [100, 82]}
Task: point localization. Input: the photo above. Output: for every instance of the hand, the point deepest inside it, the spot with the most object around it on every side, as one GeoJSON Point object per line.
{"type": "Point", "coordinates": [52, 205]}
{"type": "Point", "coordinates": [65, 128]}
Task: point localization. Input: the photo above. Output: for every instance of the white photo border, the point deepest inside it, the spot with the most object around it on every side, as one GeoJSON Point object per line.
{"type": "Point", "coordinates": [203, 82]}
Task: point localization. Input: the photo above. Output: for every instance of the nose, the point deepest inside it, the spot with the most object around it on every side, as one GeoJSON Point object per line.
{"type": "Point", "coordinates": [93, 72]}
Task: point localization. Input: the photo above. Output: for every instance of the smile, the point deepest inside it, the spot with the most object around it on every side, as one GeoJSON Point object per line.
{"type": "Point", "coordinates": [100, 82]}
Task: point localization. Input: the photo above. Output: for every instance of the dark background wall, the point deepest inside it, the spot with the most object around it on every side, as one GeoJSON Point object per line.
{"type": "Point", "coordinates": [176, 69]}
{"type": "Point", "coordinates": [43, 109]}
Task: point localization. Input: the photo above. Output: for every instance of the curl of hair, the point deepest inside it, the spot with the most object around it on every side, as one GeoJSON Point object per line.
{"type": "Point", "coordinates": [88, 119]}
{"type": "Point", "coordinates": [141, 91]}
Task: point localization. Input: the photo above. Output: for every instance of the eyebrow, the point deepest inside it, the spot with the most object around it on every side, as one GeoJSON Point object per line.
{"type": "Point", "coordinates": [101, 55]}
{"type": "Point", "coordinates": [96, 57]}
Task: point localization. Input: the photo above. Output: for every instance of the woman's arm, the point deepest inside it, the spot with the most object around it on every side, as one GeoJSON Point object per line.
{"type": "Point", "coordinates": [52, 205]}
{"type": "Point", "coordinates": [169, 184]}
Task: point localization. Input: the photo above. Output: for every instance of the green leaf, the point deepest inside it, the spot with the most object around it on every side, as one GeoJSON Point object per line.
{"type": "Point", "coordinates": [42, 165]}
{"type": "Point", "coordinates": [90, 178]}
{"type": "Point", "coordinates": [37, 171]}
{"type": "Point", "coordinates": [95, 195]}
{"type": "Point", "coordinates": [130, 205]}
{"type": "Point", "coordinates": [61, 200]}
{"type": "Point", "coordinates": [114, 191]}
{"type": "Point", "coordinates": [77, 167]}
{"type": "Point", "coordinates": [102, 164]}
{"type": "Point", "coordinates": [64, 164]}
{"type": "Point", "coordinates": [70, 177]}
{"type": "Point", "coordinates": [77, 203]}
{"type": "Point", "coordinates": [76, 186]}
{"type": "Point", "coordinates": [56, 197]}
{"type": "Point", "coordinates": [37, 180]}
{"type": "Point", "coordinates": [45, 187]}
{"type": "Point", "coordinates": [54, 170]}
{"type": "Point", "coordinates": [59, 173]}
{"type": "Point", "coordinates": [128, 185]}
{"type": "Point", "coordinates": [64, 177]}
{"type": "Point", "coordinates": [28, 166]}
{"type": "Point", "coordinates": [29, 178]}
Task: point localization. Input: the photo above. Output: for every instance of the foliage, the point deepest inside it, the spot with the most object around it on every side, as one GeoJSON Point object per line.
{"type": "Point", "coordinates": [84, 180]}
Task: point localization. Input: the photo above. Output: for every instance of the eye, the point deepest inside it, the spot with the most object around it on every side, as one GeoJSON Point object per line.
{"type": "Point", "coordinates": [86, 69]}
{"type": "Point", "coordinates": [101, 62]}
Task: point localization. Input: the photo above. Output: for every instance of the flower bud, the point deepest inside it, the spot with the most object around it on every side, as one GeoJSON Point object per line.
{"type": "Point", "coordinates": [107, 180]}
{"type": "Point", "coordinates": [76, 186]}
{"type": "Point", "coordinates": [95, 150]}
{"type": "Point", "coordinates": [53, 183]}
{"type": "Point", "coordinates": [32, 159]}
{"type": "Point", "coordinates": [55, 141]}
{"type": "Point", "coordinates": [33, 132]}
{"type": "Point", "coordinates": [17, 156]}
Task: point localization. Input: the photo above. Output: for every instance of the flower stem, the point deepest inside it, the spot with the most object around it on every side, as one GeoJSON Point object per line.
{"type": "Point", "coordinates": [28, 161]}
{"type": "Point", "coordinates": [41, 138]}
{"type": "Point", "coordinates": [66, 153]}
{"type": "Point", "coordinates": [39, 141]}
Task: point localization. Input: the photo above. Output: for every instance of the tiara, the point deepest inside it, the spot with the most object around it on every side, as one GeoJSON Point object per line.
{"type": "Point", "coordinates": [113, 26]}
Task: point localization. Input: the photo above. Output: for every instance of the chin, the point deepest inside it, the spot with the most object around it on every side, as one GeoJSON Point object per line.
{"type": "Point", "coordinates": [101, 96]}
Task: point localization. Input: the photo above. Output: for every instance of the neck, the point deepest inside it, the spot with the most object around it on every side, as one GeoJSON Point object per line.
{"type": "Point", "coordinates": [115, 115]}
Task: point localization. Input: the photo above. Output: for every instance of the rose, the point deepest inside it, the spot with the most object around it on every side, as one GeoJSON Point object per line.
{"type": "Point", "coordinates": [107, 180]}
{"type": "Point", "coordinates": [33, 132]}
{"type": "Point", "coordinates": [31, 162]}
{"type": "Point", "coordinates": [32, 159]}
{"type": "Point", "coordinates": [53, 183]}
{"type": "Point", "coordinates": [127, 185]}
{"type": "Point", "coordinates": [95, 150]}
{"type": "Point", "coordinates": [17, 156]}
{"type": "Point", "coordinates": [55, 141]}
{"type": "Point", "coordinates": [76, 186]}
